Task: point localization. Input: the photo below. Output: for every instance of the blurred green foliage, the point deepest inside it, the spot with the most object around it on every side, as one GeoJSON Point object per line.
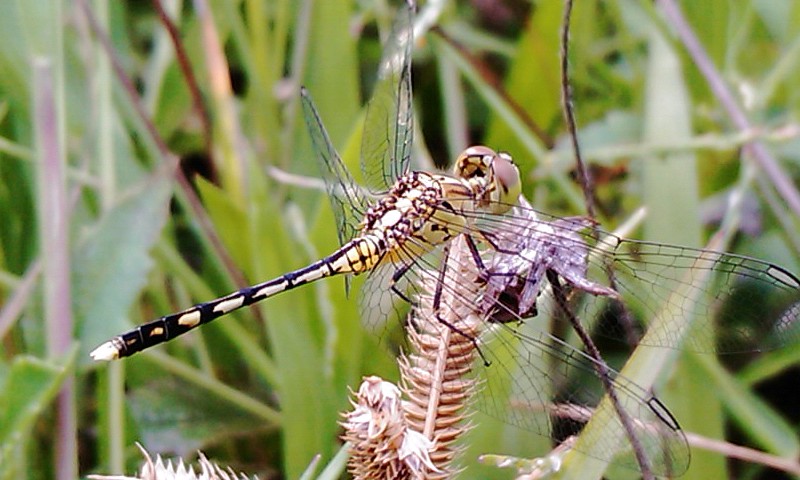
{"type": "Point", "coordinates": [261, 391]}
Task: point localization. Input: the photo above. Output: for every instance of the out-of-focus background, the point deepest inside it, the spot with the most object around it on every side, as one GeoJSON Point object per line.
{"type": "Point", "coordinates": [154, 155]}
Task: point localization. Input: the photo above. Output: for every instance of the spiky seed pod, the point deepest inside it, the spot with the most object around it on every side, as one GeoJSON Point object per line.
{"type": "Point", "coordinates": [381, 444]}
{"type": "Point", "coordinates": [415, 438]}
{"type": "Point", "coordinates": [161, 470]}
{"type": "Point", "coordinates": [436, 373]}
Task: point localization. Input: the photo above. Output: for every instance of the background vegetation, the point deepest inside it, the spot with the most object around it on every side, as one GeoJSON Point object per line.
{"type": "Point", "coordinates": [122, 199]}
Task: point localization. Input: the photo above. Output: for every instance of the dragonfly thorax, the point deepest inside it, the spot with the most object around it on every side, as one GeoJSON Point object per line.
{"type": "Point", "coordinates": [417, 214]}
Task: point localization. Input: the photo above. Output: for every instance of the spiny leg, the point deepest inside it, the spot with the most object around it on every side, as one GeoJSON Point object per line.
{"type": "Point", "coordinates": [396, 276]}
{"type": "Point", "coordinates": [437, 301]}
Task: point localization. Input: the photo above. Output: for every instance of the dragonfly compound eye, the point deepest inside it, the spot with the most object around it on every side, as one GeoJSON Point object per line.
{"type": "Point", "coordinates": [474, 162]}
{"type": "Point", "coordinates": [507, 183]}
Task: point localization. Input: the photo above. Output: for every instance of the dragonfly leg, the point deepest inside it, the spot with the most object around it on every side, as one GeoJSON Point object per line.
{"type": "Point", "coordinates": [476, 255]}
{"type": "Point", "coordinates": [484, 273]}
{"type": "Point", "coordinates": [437, 302]}
{"type": "Point", "coordinates": [494, 243]}
{"type": "Point", "coordinates": [396, 276]}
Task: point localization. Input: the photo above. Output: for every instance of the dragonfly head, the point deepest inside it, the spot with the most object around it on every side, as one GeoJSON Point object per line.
{"type": "Point", "coordinates": [496, 171]}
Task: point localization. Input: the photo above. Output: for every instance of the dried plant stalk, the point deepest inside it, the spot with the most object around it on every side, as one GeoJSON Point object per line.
{"type": "Point", "coordinates": [415, 438]}
{"type": "Point", "coordinates": [443, 334]}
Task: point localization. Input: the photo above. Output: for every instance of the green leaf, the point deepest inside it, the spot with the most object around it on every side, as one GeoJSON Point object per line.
{"type": "Point", "coordinates": [751, 413]}
{"type": "Point", "coordinates": [112, 263]}
{"type": "Point", "coordinates": [174, 411]}
{"type": "Point", "coordinates": [27, 390]}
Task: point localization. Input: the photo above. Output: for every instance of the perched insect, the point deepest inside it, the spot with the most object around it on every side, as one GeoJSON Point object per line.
{"type": "Point", "coordinates": [530, 264]}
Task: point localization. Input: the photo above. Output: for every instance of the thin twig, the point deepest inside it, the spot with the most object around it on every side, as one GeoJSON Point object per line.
{"type": "Point", "coordinates": [588, 193]}
{"type": "Point", "coordinates": [743, 453]}
{"type": "Point", "coordinates": [15, 304]}
{"type": "Point", "coordinates": [569, 113]}
{"type": "Point", "coordinates": [54, 218]}
{"type": "Point", "coordinates": [602, 371]}
{"type": "Point", "coordinates": [188, 74]}
{"type": "Point", "coordinates": [780, 179]}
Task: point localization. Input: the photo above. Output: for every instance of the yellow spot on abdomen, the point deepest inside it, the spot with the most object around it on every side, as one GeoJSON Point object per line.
{"type": "Point", "coordinates": [191, 319]}
{"type": "Point", "coordinates": [269, 291]}
{"type": "Point", "coordinates": [226, 306]}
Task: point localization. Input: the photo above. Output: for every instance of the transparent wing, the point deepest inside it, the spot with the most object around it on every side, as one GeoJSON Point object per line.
{"type": "Point", "coordinates": [347, 201]}
{"type": "Point", "coordinates": [388, 126]}
{"type": "Point", "coordinates": [533, 380]}
{"type": "Point", "coordinates": [542, 384]}
{"type": "Point", "coordinates": [695, 299]}
{"type": "Point", "coordinates": [700, 300]}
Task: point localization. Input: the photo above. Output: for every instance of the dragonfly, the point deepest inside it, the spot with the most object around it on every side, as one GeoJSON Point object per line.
{"type": "Point", "coordinates": [397, 224]}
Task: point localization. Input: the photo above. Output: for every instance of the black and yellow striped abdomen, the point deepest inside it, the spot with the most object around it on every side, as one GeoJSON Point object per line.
{"type": "Point", "coordinates": [407, 222]}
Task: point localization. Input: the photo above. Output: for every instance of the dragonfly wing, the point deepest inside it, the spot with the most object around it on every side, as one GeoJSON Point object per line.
{"type": "Point", "coordinates": [348, 203]}
{"type": "Point", "coordinates": [379, 303]}
{"type": "Point", "coordinates": [388, 126]}
{"type": "Point", "coordinates": [680, 297]}
{"type": "Point", "coordinates": [734, 303]}
{"type": "Point", "coordinates": [542, 384]}
{"type": "Point", "coordinates": [531, 379]}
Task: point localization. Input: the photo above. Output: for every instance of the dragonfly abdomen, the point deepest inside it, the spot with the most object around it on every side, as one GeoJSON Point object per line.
{"type": "Point", "coordinates": [357, 256]}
